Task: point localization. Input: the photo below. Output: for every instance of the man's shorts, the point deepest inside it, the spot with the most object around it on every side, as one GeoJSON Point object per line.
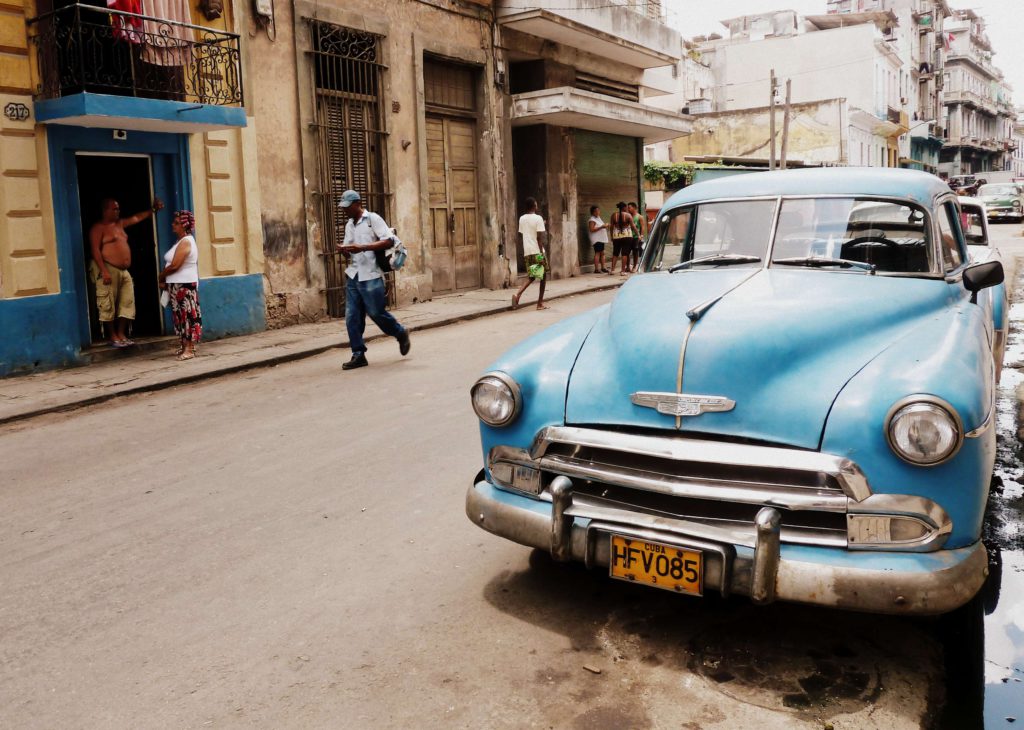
{"type": "Point", "coordinates": [638, 244]}
{"type": "Point", "coordinates": [535, 266]}
{"type": "Point", "coordinates": [621, 246]}
{"type": "Point", "coordinates": [598, 247]}
{"type": "Point", "coordinates": [116, 299]}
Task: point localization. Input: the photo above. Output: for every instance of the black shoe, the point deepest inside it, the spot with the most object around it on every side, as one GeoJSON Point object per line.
{"type": "Point", "coordinates": [357, 361]}
{"type": "Point", "coordinates": [403, 343]}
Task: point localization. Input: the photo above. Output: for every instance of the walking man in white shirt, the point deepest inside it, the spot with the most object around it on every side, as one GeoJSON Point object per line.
{"type": "Point", "coordinates": [531, 228]}
{"type": "Point", "coordinates": [366, 233]}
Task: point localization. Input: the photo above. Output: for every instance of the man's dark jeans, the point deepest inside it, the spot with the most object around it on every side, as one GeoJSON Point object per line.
{"type": "Point", "coordinates": [364, 298]}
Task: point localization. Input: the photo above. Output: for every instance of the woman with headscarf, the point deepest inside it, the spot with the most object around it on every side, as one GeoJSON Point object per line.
{"type": "Point", "coordinates": [181, 278]}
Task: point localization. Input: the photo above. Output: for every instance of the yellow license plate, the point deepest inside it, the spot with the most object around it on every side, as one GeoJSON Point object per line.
{"type": "Point", "coordinates": [662, 566]}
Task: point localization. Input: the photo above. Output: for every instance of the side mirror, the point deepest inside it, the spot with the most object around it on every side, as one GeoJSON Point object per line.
{"type": "Point", "coordinates": [982, 276]}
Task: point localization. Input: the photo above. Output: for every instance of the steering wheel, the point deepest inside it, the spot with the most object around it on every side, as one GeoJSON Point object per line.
{"type": "Point", "coordinates": [874, 236]}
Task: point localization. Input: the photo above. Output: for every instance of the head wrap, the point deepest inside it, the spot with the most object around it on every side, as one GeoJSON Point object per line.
{"type": "Point", "coordinates": [187, 220]}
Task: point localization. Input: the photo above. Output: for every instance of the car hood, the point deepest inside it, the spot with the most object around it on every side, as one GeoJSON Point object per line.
{"type": "Point", "coordinates": [997, 199]}
{"type": "Point", "coordinates": [780, 343]}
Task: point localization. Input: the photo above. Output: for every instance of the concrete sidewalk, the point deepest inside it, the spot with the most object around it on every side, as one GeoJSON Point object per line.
{"type": "Point", "coordinates": [61, 390]}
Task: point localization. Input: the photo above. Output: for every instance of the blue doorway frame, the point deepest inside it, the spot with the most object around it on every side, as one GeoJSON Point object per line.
{"type": "Point", "coordinates": [172, 182]}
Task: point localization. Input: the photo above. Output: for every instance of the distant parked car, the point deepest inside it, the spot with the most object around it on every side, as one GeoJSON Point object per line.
{"type": "Point", "coordinates": [794, 401]}
{"type": "Point", "coordinates": [1004, 201]}
{"type": "Point", "coordinates": [967, 183]}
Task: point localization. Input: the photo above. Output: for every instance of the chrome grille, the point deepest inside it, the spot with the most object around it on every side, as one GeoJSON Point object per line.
{"type": "Point", "coordinates": [714, 483]}
{"type": "Point", "coordinates": [698, 468]}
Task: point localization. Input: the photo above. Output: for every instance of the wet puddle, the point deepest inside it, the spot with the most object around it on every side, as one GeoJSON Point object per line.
{"type": "Point", "coordinates": [985, 662]}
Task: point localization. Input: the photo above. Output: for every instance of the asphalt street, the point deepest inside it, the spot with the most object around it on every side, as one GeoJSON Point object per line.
{"type": "Point", "coordinates": [288, 548]}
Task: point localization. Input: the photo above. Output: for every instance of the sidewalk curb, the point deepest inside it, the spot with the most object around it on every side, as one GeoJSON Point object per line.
{"type": "Point", "coordinates": [270, 361]}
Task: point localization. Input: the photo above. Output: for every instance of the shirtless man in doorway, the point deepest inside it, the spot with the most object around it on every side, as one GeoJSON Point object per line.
{"type": "Point", "coordinates": [111, 257]}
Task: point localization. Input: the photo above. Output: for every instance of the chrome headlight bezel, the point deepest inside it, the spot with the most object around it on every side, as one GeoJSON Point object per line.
{"type": "Point", "coordinates": [511, 388]}
{"type": "Point", "coordinates": [917, 404]}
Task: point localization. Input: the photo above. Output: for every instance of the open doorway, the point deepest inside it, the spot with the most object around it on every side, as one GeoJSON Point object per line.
{"type": "Point", "coordinates": [127, 179]}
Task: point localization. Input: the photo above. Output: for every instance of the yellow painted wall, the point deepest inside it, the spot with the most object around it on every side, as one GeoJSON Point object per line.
{"type": "Point", "coordinates": [225, 193]}
{"type": "Point", "coordinates": [28, 258]}
{"type": "Point", "coordinates": [15, 74]}
{"type": "Point", "coordinates": [224, 179]}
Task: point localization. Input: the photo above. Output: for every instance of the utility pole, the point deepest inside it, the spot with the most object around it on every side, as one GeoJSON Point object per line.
{"type": "Point", "coordinates": [785, 123]}
{"type": "Point", "coordinates": [771, 121]}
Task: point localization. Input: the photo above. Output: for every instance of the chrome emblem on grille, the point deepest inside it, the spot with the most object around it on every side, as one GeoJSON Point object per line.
{"type": "Point", "coordinates": [681, 404]}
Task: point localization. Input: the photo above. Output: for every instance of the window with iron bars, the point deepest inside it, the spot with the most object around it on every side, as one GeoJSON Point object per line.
{"type": "Point", "coordinates": [350, 137]}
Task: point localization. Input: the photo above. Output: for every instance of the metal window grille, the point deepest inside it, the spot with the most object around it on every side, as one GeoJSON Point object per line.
{"type": "Point", "coordinates": [350, 140]}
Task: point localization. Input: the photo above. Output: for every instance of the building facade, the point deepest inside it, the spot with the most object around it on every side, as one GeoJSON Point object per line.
{"type": "Point", "coordinates": [446, 134]}
{"type": "Point", "coordinates": [978, 110]}
{"type": "Point", "coordinates": [370, 96]}
{"type": "Point", "coordinates": [849, 111]}
{"type": "Point", "coordinates": [109, 104]}
{"type": "Point", "coordinates": [580, 112]}
{"type": "Point", "coordinates": [444, 114]}
{"type": "Point", "coordinates": [1017, 153]}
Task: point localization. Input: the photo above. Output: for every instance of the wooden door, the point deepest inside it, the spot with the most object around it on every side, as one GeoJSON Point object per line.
{"type": "Point", "coordinates": [452, 181]}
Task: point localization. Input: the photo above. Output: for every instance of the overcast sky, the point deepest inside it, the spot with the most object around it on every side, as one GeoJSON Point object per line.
{"type": "Point", "coordinates": [1004, 20]}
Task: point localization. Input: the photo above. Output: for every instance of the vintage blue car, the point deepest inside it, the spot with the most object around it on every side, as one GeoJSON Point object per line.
{"type": "Point", "coordinates": [794, 401]}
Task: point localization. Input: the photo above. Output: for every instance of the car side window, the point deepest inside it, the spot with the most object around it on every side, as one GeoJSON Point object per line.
{"type": "Point", "coordinates": [672, 232]}
{"type": "Point", "coordinates": [949, 237]}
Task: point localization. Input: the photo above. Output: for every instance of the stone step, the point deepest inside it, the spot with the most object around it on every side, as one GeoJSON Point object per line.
{"type": "Point", "coordinates": [103, 352]}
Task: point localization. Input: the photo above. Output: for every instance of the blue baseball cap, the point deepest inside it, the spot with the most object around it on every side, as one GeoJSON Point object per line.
{"type": "Point", "coordinates": [348, 197]}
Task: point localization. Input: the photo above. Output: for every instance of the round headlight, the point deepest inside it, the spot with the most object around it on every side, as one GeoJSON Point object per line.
{"type": "Point", "coordinates": [496, 399]}
{"type": "Point", "coordinates": [924, 433]}
{"type": "Point", "coordinates": [1016, 204]}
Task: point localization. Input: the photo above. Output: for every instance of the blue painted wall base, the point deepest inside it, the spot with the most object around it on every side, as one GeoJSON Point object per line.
{"type": "Point", "coordinates": [37, 333]}
{"type": "Point", "coordinates": [41, 333]}
{"type": "Point", "coordinates": [232, 305]}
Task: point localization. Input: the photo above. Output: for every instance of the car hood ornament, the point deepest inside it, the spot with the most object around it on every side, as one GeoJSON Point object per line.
{"type": "Point", "coordinates": [683, 404]}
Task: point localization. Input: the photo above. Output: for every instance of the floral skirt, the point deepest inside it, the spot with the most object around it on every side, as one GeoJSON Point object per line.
{"type": "Point", "coordinates": [185, 312]}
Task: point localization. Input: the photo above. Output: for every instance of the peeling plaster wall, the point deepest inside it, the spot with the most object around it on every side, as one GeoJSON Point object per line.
{"type": "Point", "coordinates": [816, 134]}
{"type": "Point", "coordinates": [282, 89]}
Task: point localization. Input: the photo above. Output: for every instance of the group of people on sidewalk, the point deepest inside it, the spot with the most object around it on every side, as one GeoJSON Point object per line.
{"type": "Point", "coordinates": [628, 229]}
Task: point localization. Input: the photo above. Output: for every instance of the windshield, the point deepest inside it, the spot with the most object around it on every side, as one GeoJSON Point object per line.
{"type": "Point", "coordinates": [886, 236]}
{"type": "Point", "coordinates": [842, 234]}
{"type": "Point", "coordinates": [1006, 191]}
{"type": "Point", "coordinates": [712, 235]}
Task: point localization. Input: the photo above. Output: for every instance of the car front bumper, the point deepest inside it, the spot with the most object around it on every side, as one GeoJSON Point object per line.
{"type": "Point", "coordinates": [878, 582]}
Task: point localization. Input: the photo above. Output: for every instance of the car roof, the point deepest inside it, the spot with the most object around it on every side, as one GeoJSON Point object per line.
{"type": "Point", "coordinates": [915, 185]}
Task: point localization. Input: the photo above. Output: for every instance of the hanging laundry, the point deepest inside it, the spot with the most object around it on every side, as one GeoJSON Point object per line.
{"type": "Point", "coordinates": [126, 28]}
{"type": "Point", "coordinates": [167, 44]}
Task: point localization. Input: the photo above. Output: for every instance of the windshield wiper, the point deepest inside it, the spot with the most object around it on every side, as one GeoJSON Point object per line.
{"type": "Point", "coordinates": [820, 261]}
{"type": "Point", "coordinates": [721, 259]}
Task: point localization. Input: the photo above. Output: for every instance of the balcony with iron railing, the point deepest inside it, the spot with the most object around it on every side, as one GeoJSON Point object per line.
{"type": "Point", "coordinates": [102, 67]}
